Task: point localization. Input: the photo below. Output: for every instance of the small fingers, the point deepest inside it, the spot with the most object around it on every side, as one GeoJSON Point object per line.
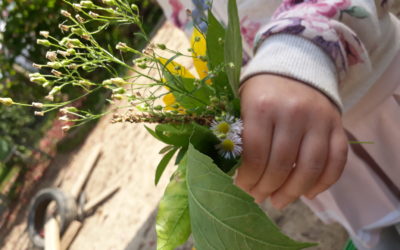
{"type": "Point", "coordinates": [285, 146]}
{"type": "Point", "coordinates": [336, 163]}
{"type": "Point", "coordinates": [256, 145]}
{"type": "Point", "coordinates": [310, 165]}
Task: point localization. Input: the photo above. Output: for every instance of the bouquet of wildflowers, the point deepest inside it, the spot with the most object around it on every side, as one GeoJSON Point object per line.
{"type": "Point", "coordinates": [197, 118]}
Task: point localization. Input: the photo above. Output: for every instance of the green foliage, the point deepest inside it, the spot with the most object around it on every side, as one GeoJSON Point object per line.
{"type": "Point", "coordinates": [225, 217]}
{"type": "Point", "coordinates": [173, 219]}
{"type": "Point", "coordinates": [233, 47]}
{"type": "Point", "coordinates": [215, 52]}
{"type": "Point", "coordinates": [163, 164]}
{"type": "Point", "coordinates": [20, 24]}
{"type": "Point", "coordinates": [23, 20]}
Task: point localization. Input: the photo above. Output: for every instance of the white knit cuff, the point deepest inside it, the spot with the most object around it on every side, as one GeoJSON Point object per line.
{"type": "Point", "coordinates": [298, 58]}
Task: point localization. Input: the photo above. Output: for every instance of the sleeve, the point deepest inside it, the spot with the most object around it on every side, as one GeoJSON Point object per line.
{"type": "Point", "coordinates": [321, 42]}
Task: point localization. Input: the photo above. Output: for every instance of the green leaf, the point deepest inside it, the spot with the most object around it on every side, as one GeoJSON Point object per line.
{"type": "Point", "coordinates": [233, 47]}
{"type": "Point", "coordinates": [166, 149]}
{"type": "Point", "coordinates": [163, 164]}
{"type": "Point", "coordinates": [216, 57]}
{"type": "Point", "coordinates": [180, 135]}
{"type": "Point", "coordinates": [173, 219]}
{"type": "Point", "coordinates": [225, 217]}
{"type": "Point", "coordinates": [215, 41]}
{"type": "Point", "coordinates": [181, 154]}
{"type": "Point", "coordinates": [152, 132]}
{"type": "Point", "coordinates": [357, 12]}
{"type": "Point", "coordinates": [194, 97]}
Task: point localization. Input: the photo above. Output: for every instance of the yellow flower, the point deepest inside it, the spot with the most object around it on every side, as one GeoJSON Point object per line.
{"type": "Point", "coordinates": [199, 53]}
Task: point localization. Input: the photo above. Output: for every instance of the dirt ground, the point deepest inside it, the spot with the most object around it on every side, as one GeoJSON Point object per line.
{"type": "Point", "coordinates": [129, 159]}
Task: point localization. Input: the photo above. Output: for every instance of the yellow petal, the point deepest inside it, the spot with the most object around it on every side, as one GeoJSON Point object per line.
{"type": "Point", "coordinates": [199, 47]}
{"type": "Point", "coordinates": [176, 68]}
{"type": "Point", "coordinates": [169, 99]}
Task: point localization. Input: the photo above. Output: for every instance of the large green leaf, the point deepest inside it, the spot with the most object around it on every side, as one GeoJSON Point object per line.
{"type": "Point", "coordinates": [215, 53]}
{"type": "Point", "coordinates": [225, 217]}
{"type": "Point", "coordinates": [233, 47]}
{"type": "Point", "coordinates": [173, 220]}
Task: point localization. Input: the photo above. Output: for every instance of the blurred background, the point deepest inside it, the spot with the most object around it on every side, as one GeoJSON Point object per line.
{"type": "Point", "coordinates": [27, 141]}
{"type": "Point", "coordinates": [36, 154]}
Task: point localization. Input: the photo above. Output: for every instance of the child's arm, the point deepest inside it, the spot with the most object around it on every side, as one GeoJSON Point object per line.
{"type": "Point", "coordinates": [290, 98]}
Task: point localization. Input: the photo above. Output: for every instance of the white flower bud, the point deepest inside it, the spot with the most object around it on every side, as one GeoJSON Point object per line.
{"type": "Point", "coordinates": [72, 66]}
{"type": "Point", "coordinates": [54, 65]}
{"type": "Point", "coordinates": [67, 110]}
{"type": "Point", "coordinates": [79, 18]}
{"type": "Point", "coordinates": [122, 46]}
{"type": "Point", "coordinates": [87, 4]}
{"type": "Point", "coordinates": [37, 105]}
{"type": "Point", "coordinates": [63, 53]}
{"type": "Point", "coordinates": [66, 128]}
{"type": "Point", "coordinates": [77, 6]}
{"type": "Point", "coordinates": [51, 56]}
{"type": "Point", "coordinates": [49, 98]}
{"type": "Point", "coordinates": [65, 13]}
{"type": "Point", "coordinates": [43, 42]}
{"type": "Point", "coordinates": [71, 51]}
{"type": "Point", "coordinates": [63, 27]}
{"type": "Point", "coordinates": [6, 101]}
{"type": "Point", "coordinates": [93, 14]}
{"type": "Point", "coordinates": [64, 118]}
{"type": "Point", "coordinates": [39, 113]}
{"type": "Point", "coordinates": [56, 72]}
{"type": "Point", "coordinates": [55, 90]}
{"type": "Point", "coordinates": [39, 80]}
{"type": "Point", "coordinates": [43, 33]}
{"type": "Point", "coordinates": [118, 81]}
{"type": "Point", "coordinates": [36, 66]}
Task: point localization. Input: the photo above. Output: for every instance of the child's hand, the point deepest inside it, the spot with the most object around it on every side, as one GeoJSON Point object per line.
{"type": "Point", "coordinates": [288, 122]}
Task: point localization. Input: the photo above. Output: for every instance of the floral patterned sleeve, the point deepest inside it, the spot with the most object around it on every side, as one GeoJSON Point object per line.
{"type": "Point", "coordinates": [349, 32]}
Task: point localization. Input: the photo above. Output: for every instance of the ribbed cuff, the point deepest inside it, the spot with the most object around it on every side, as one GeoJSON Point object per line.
{"type": "Point", "coordinates": [297, 58]}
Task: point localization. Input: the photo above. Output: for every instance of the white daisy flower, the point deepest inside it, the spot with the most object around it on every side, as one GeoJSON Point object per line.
{"type": "Point", "coordinates": [224, 126]}
{"type": "Point", "coordinates": [230, 147]}
{"type": "Point", "coordinates": [237, 127]}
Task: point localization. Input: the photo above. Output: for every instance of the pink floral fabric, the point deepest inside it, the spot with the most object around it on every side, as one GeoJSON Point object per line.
{"type": "Point", "coordinates": [321, 22]}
